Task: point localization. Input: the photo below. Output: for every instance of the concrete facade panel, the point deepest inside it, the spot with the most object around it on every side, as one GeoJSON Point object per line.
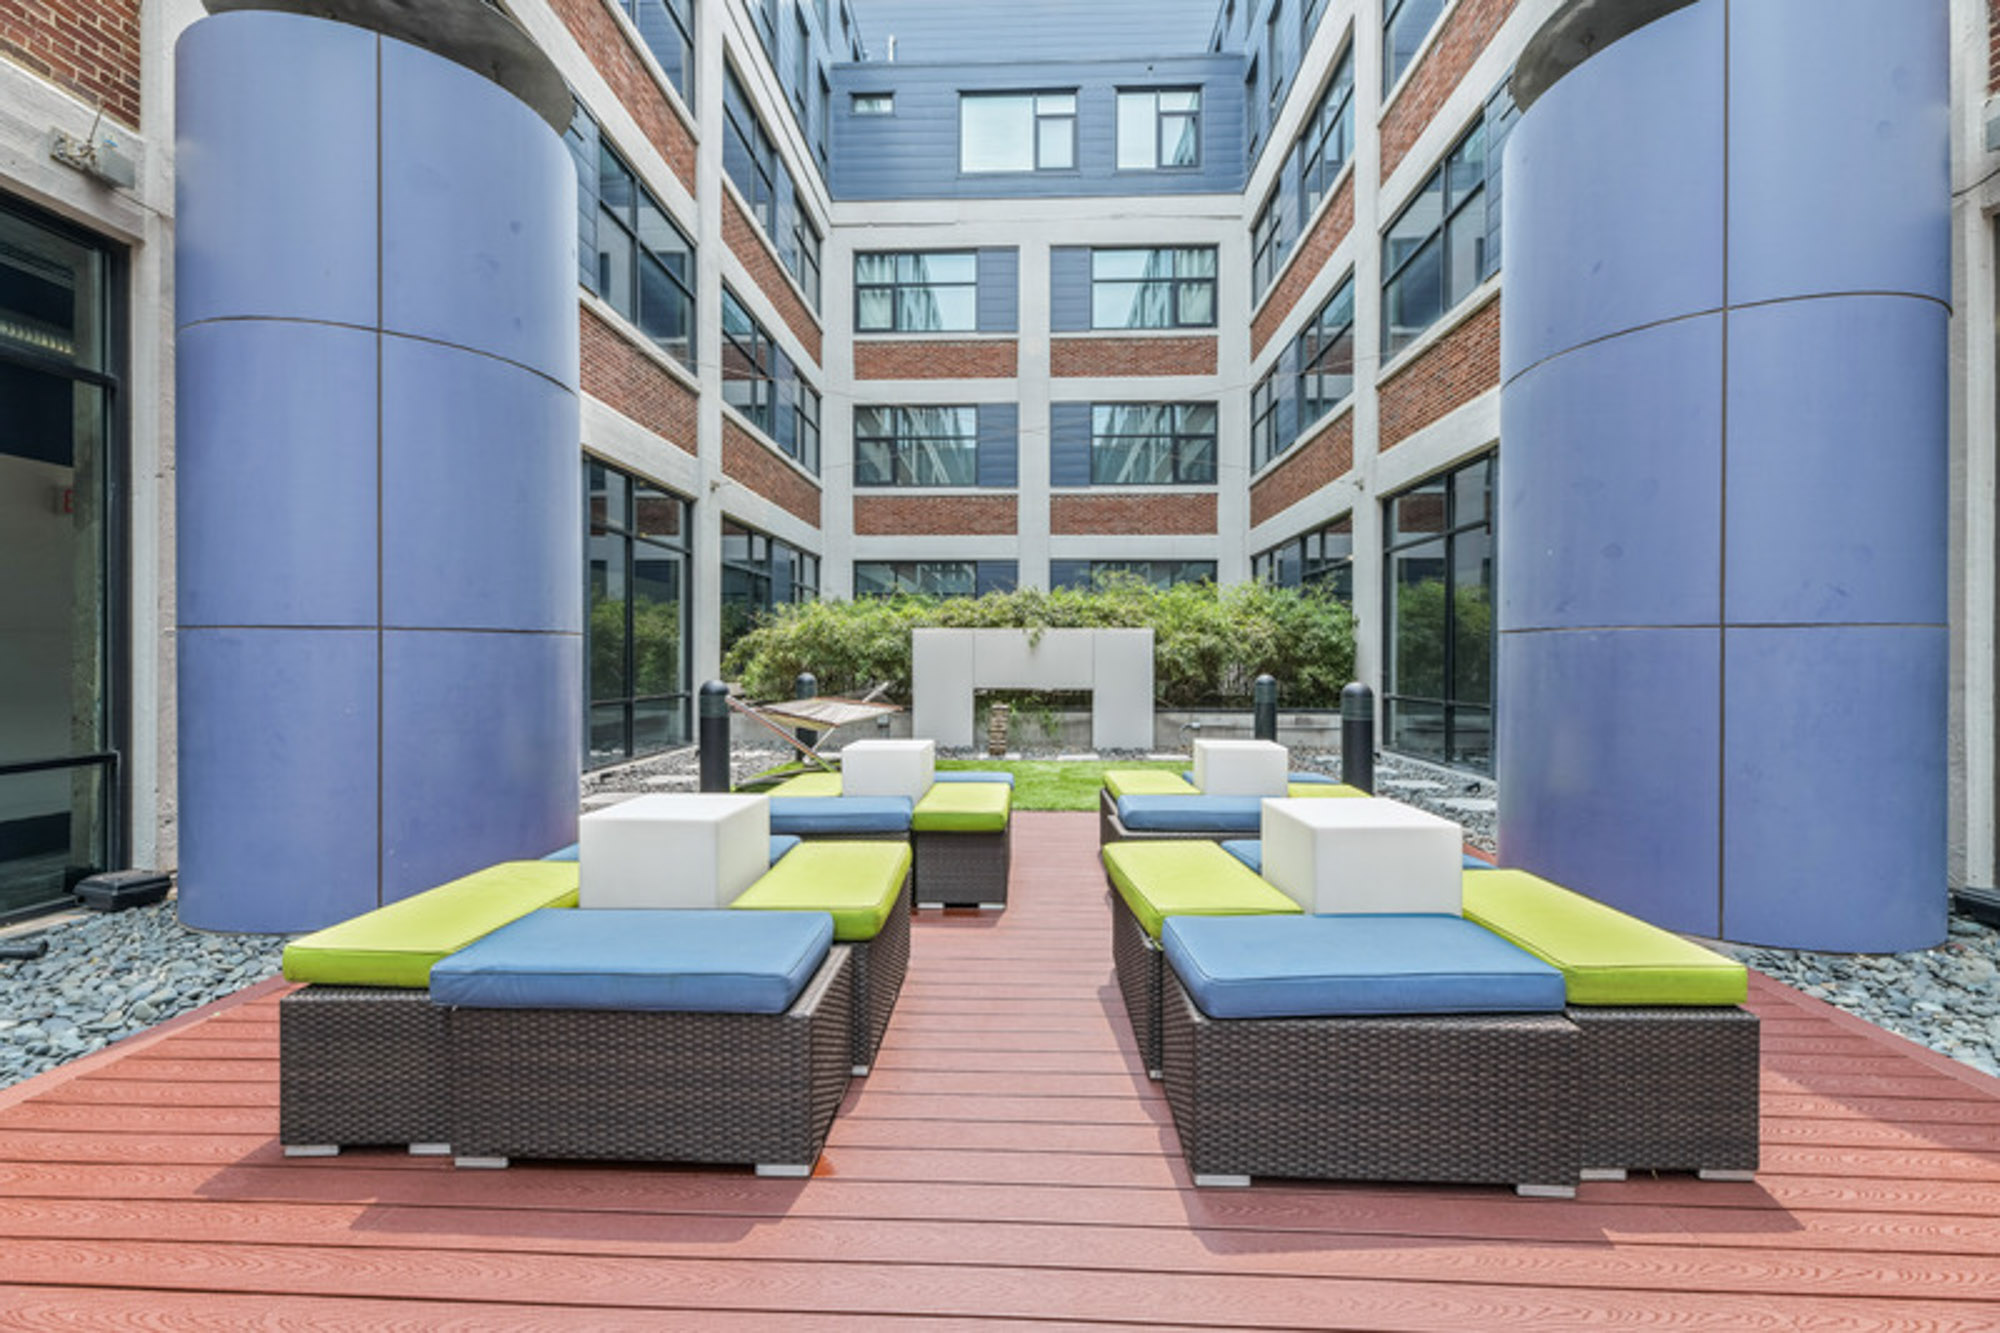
{"type": "Point", "coordinates": [260, 445]}
{"type": "Point", "coordinates": [1611, 486]}
{"type": "Point", "coordinates": [1834, 809]}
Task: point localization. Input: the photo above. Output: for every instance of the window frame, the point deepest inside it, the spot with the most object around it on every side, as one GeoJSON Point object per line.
{"type": "Point", "coordinates": [684, 86]}
{"type": "Point", "coordinates": [625, 530]}
{"type": "Point", "coordinates": [887, 101]}
{"type": "Point", "coordinates": [1264, 420]}
{"type": "Point", "coordinates": [758, 147]}
{"type": "Point", "coordinates": [1454, 527]}
{"type": "Point", "coordinates": [1159, 119]}
{"type": "Point", "coordinates": [898, 285]}
{"type": "Point", "coordinates": [1269, 246]}
{"type": "Point", "coordinates": [1328, 333]}
{"type": "Point", "coordinates": [1392, 11]}
{"type": "Point", "coordinates": [1174, 283]}
{"type": "Point", "coordinates": [913, 573]}
{"type": "Point", "coordinates": [1318, 129]}
{"type": "Point", "coordinates": [1452, 207]}
{"type": "Point", "coordinates": [1179, 438]}
{"type": "Point", "coordinates": [904, 442]}
{"type": "Point", "coordinates": [624, 223]}
{"type": "Point", "coordinates": [1036, 117]}
{"type": "Point", "coordinates": [756, 349]}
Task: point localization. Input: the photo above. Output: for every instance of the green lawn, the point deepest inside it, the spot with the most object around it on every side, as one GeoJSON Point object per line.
{"type": "Point", "coordinates": [1050, 784]}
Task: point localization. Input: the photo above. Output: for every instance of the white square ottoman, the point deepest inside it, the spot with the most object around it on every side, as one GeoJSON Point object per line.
{"type": "Point", "coordinates": [1241, 768]}
{"type": "Point", "coordinates": [888, 768]}
{"type": "Point", "coordinates": [1364, 855]}
{"type": "Point", "coordinates": [682, 850]}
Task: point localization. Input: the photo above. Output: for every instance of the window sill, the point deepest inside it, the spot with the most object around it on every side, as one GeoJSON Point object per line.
{"type": "Point", "coordinates": [633, 335]}
{"type": "Point", "coordinates": [1485, 293]}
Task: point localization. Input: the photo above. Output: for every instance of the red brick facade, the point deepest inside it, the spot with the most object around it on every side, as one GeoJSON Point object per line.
{"type": "Point", "coordinates": [602, 38]}
{"type": "Point", "coordinates": [747, 243]}
{"type": "Point", "coordinates": [88, 48]}
{"type": "Point", "coordinates": [749, 461]}
{"type": "Point", "coordinates": [1109, 358]}
{"type": "Point", "coordinates": [935, 515]}
{"type": "Point", "coordinates": [1993, 46]}
{"type": "Point", "coordinates": [943, 360]}
{"type": "Point", "coordinates": [1466, 32]}
{"type": "Point", "coordinates": [1326, 457]}
{"type": "Point", "coordinates": [1450, 373]}
{"type": "Point", "coordinates": [626, 379]}
{"type": "Point", "coordinates": [1307, 260]}
{"type": "Point", "coordinates": [1131, 515]}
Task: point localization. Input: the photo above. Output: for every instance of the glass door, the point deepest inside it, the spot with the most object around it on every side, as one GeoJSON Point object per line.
{"type": "Point", "coordinates": [59, 817]}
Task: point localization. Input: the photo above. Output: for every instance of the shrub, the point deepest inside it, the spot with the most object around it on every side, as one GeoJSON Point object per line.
{"type": "Point", "coordinates": [1209, 643]}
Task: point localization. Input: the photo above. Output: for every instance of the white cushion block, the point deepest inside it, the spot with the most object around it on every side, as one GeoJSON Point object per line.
{"type": "Point", "coordinates": [1241, 768]}
{"type": "Point", "coordinates": [683, 850]}
{"type": "Point", "coordinates": [1364, 855]}
{"type": "Point", "coordinates": [888, 768]}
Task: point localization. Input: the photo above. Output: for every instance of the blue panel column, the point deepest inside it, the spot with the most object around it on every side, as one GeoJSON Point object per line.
{"type": "Point", "coordinates": [380, 587]}
{"type": "Point", "coordinates": [1722, 597]}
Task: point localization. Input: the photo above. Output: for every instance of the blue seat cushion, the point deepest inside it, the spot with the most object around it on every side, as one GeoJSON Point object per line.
{"type": "Point", "coordinates": [972, 775]}
{"type": "Point", "coordinates": [1250, 851]}
{"type": "Point", "coordinates": [1192, 814]}
{"type": "Point", "coordinates": [1289, 777]}
{"type": "Point", "coordinates": [1322, 966]}
{"type": "Point", "coordinates": [685, 961]}
{"type": "Point", "coordinates": [807, 815]}
{"type": "Point", "coordinates": [780, 844]}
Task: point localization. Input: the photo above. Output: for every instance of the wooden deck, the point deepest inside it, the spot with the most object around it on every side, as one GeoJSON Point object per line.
{"type": "Point", "coordinates": [1008, 1161]}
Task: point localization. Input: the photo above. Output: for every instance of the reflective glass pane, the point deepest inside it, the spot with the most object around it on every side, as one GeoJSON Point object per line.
{"type": "Point", "coordinates": [1472, 616]}
{"type": "Point", "coordinates": [658, 515]}
{"type": "Point", "coordinates": [1418, 512]}
{"type": "Point", "coordinates": [949, 267]}
{"type": "Point", "coordinates": [1415, 224]}
{"type": "Point", "coordinates": [1414, 300]}
{"type": "Point", "coordinates": [1115, 305]}
{"type": "Point", "coordinates": [875, 268]}
{"type": "Point", "coordinates": [996, 134]}
{"type": "Point", "coordinates": [1135, 131]}
{"type": "Point", "coordinates": [1465, 170]}
{"type": "Point", "coordinates": [1465, 246]}
{"type": "Point", "coordinates": [1194, 263]}
{"type": "Point", "coordinates": [1472, 736]}
{"type": "Point", "coordinates": [1122, 263]}
{"type": "Point", "coordinates": [657, 622]}
{"type": "Point", "coordinates": [1055, 143]}
{"type": "Point", "coordinates": [1418, 597]}
{"type": "Point", "coordinates": [658, 724]}
{"type": "Point", "coordinates": [875, 309]}
{"type": "Point", "coordinates": [1180, 99]}
{"type": "Point", "coordinates": [874, 463]}
{"type": "Point", "coordinates": [1472, 492]}
{"type": "Point", "coordinates": [608, 598]}
{"type": "Point", "coordinates": [1415, 727]}
{"type": "Point", "coordinates": [1179, 141]}
{"type": "Point", "coordinates": [1056, 104]}
{"type": "Point", "coordinates": [607, 733]}
{"type": "Point", "coordinates": [1197, 303]}
{"type": "Point", "coordinates": [615, 186]}
{"type": "Point", "coordinates": [874, 578]}
{"type": "Point", "coordinates": [58, 832]}
{"type": "Point", "coordinates": [1198, 419]}
{"type": "Point", "coordinates": [1197, 461]}
{"type": "Point", "coordinates": [615, 279]}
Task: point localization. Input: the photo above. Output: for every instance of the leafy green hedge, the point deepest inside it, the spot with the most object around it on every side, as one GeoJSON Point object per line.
{"type": "Point", "coordinates": [1209, 643]}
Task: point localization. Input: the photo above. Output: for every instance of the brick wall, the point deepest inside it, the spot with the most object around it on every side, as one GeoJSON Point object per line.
{"type": "Point", "coordinates": [1325, 458]}
{"type": "Point", "coordinates": [752, 463]}
{"type": "Point", "coordinates": [747, 243]}
{"type": "Point", "coordinates": [944, 360]}
{"type": "Point", "coordinates": [935, 515]}
{"type": "Point", "coordinates": [1131, 515]}
{"type": "Point", "coordinates": [88, 48]}
{"type": "Point", "coordinates": [1115, 357]}
{"type": "Point", "coordinates": [1307, 260]}
{"type": "Point", "coordinates": [1993, 46]}
{"type": "Point", "coordinates": [626, 379]}
{"type": "Point", "coordinates": [1450, 373]}
{"type": "Point", "coordinates": [603, 39]}
{"type": "Point", "coordinates": [1466, 32]}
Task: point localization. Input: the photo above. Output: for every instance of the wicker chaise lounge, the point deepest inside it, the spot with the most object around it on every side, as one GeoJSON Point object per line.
{"type": "Point", "coordinates": [866, 887]}
{"type": "Point", "coordinates": [711, 1036]}
{"type": "Point", "coordinates": [1669, 1060]}
{"type": "Point", "coordinates": [361, 1049]}
{"type": "Point", "coordinates": [1418, 1048]}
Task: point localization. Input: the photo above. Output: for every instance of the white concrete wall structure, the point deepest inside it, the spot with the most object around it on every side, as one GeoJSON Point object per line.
{"type": "Point", "coordinates": [1115, 665]}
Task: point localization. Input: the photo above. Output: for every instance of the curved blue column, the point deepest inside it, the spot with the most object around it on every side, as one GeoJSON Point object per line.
{"type": "Point", "coordinates": [1723, 643]}
{"type": "Point", "coordinates": [380, 580]}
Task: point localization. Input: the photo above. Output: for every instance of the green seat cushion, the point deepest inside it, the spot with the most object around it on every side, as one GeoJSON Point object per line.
{"type": "Point", "coordinates": [963, 807]}
{"type": "Point", "coordinates": [808, 784]}
{"type": "Point", "coordinates": [858, 883]}
{"type": "Point", "coordinates": [1187, 878]}
{"type": "Point", "coordinates": [396, 945]}
{"type": "Point", "coordinates": [1606, 957]}
{"type": "Point", "coordinates": [1312, 789]}
{"type": "Point", "coordinates": [1147, 782]}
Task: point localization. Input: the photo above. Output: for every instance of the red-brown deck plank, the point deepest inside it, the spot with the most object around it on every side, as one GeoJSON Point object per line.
{"type": "Point", "coordinates": [1007, 1162]}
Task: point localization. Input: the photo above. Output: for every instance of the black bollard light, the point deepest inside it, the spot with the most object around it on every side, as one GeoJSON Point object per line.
{"type": "Point", "coordinates": [712, 735]}
{"type": "Point", "coordinates": [806, 686]}
{"type": "Point", "coordinates": [1357, 737]}
{"type": "Point", "coordinates": [1264, 707]}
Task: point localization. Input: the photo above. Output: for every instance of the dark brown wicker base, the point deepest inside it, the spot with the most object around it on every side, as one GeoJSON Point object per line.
{"type": "Point", "coordinates": [669, 1087]}
{"type": "Point", "coordinates": [880, 965]}
{"type": "Point", "coordinates": [1138, 964]}
{"type": "Point", "coordinates": [1668, 1089]}
{"type": "Point", "coordinates": [1452, 1098]}
{"type": "Point", "coordinates": [361, 1065]}
{"type": "Point", "coordinates": [1111, 829]}
{"type": "Point", "coordinates": [963, 869]}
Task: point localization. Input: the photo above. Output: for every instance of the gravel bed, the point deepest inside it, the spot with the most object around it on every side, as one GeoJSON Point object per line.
{"type": "Point", "coordinates": [108, 976]}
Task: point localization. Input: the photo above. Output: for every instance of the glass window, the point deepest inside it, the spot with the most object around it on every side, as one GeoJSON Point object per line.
{"type": "Point", "coordinates": [1274, 54]}
{"type": "Point", "coordinates": [1152, 444]}
{"type": "Point", "coordinates": [749, 364]}
{"type": "Point", "coordinates": [916, 292]}
{"type": "Point", "coordinates": [1328, 139]}
{"type": "Point", "coordinates": [633, 254]}
{"type": "Point", "coordinates": [916, 446]}
{"type": "Point", "coordinates": [1405, 24]}
{"type": "Point", "coordinates": [802, 61]}
{"type": "Point", "coordinates": [758, 573]}
{"type": "Point", "coordinates": [805, 409]}
{"type": "Point", "coordinates": [1159, 573]}
{"type": "Point", "coordinates": [1438, 557]}
{"type": "Point", "coordinates": [806, 246]}
{"type": "Point", "coordinates": [920, 578]}
{"type": "Point", "coordinates": [1268, 243]}
{"type": "Point", "coordinates": [1152, 289]}
{"type": "Point", "coordinates": [1437, 250]}
{"type": "Point", "coordinates": [1264, 420]}
{"type": "Point", "coordinates": [873, 104]}
{"type": "Point", "coordinates": [1326, 356]}
{"type": "Point", "coordinates": [1323, 559]}
{"type": "Point", "coordinates": [823, 118]}
{"type": "Point", "coordinates": [1159, 128]}
{"type": "Point", "coordinates": [748, 155]}
{"type": "Point", "coordinates": [1309, 24]}
{"type": "Point", "coordinates": [1017, 131]}
{"type": "Point", "coordinates": [636, 549]}
{"type": "Point", "coordinates": [667, 29]}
